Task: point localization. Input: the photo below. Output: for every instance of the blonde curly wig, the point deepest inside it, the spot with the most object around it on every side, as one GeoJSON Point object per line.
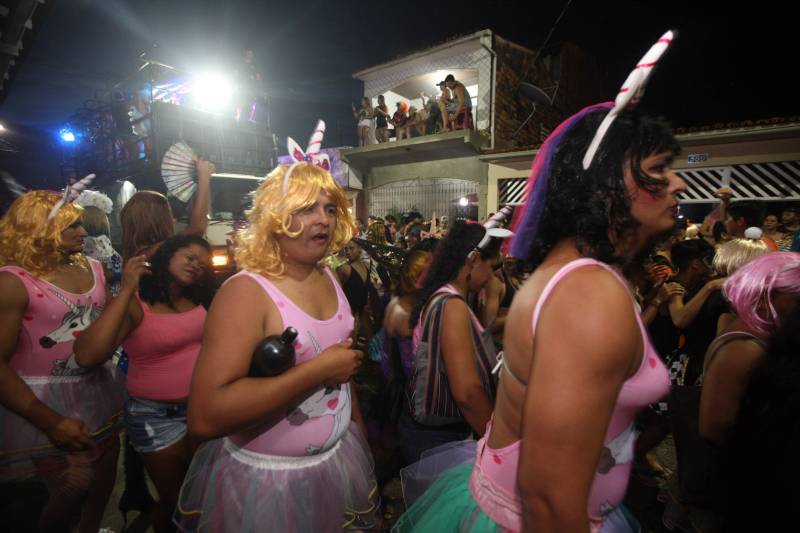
{"type": "Point", "coordinates": [257, 247]}
{"type": "Point", "coordinates": [30, 241]}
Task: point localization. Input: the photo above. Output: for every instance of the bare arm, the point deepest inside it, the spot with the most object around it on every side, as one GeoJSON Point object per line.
{"type": "Point", "coordinates": [97, 343]}
{"type": "Point", "coordinates": [15, 394]}
{"type": "Point", "coordinates": [223, 399]}
{"type": "Point", "coordinates": [343, 273]}
{"type": "Point", "coordinates": [725, 381]}
{"type": "Point", "coordinates": [460, 93]}
{"type": "Point", "coordinates": [459, 361]}
{"type": "Point", "coordinates": [664, 293]}
{"type": "Point", "coordinates": [684, 314]}
{"type": "Point", "coordinates": [581, 361]}
{"type": "Point", "coordinates": [355, 414]}
{"type": "Point", "coordinates": [495, 290]}
{"type": "Point", "coordinates": [198, 220]}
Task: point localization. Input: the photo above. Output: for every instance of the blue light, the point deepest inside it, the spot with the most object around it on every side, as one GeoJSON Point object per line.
{"type": "Point", "coordinates": [67, 135]}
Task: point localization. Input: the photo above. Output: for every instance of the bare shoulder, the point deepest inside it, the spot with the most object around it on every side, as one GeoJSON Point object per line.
{"type": "Point", "coordinates": [736, 358]}
{"type": "Point", "coordinates": [239, 293]}
{"type": "Point", "coordinates": [455, 309]}
{"type": "Point", "coordinates": [12, 291]}
{"type": "Point", "coordinates": [591, 310]}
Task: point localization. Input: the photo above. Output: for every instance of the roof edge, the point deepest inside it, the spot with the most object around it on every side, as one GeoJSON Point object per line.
{"type": "Point", "coordinates": [477, 35]}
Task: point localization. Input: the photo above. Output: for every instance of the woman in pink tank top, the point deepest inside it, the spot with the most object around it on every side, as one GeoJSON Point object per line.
{"type": "Point", "coordinates": [56, 420]}
{"type": "Point", "coordinates": [290, 452]}
{"type": "Point", "coordinates": [159, 321]}
{"type": "Point", "coordinates": [578, 364]}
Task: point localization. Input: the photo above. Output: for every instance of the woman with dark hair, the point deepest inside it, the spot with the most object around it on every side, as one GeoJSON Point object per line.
{"type": "Point", "coordinates": [147, 220]}
{"type": "Point", "coordinates": [158, 318]}
{"type": "Point", "coordinates": [762, 445]}
{"type": "Point", "coordinates": [452, 389]}
{"type": "Point", "coordinates": [577, 364]}
{"type": "Point", "coordinates": [355, 280]}
{"type": "Point", "coordinates": [381, 120]}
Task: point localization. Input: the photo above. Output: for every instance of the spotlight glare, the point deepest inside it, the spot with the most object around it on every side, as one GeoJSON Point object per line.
{"type": "Point", "coordinates": [2, 128]}
{"type": "Point", "coordinates": [463, 202]}
{"type": "Point", "coordinates": [212, 91]}
{"type": "Point", "coordinates": [66, 135]}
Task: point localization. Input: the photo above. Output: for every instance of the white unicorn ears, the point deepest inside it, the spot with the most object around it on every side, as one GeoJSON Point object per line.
{"type": "Point", "coordinates": [493, 229]}
{"type": "Point", "coordinates": [70, 194]}
{"type": "Point", "coordinates": [630, 93]}
{"type": "Point", "coordinates": [310, 155]}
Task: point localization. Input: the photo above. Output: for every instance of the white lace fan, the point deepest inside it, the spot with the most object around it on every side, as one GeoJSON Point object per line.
{"type": "Point", "coordinates": [179, 171]}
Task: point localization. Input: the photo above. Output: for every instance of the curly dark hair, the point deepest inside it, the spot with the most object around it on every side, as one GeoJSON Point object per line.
{"type": "Point", "coordinates": [449, 257]}
{"type": "Point", "coordinates": [589, 204]}
{"type": "Point", "coordinates": [155, 288]}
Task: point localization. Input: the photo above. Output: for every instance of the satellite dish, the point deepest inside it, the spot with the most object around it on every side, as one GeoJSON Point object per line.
{"type": "Point", "coordinates": [536, 95]}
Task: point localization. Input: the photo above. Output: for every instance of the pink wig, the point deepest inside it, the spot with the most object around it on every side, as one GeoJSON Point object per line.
{"type": "Point", "coordinates": [750, 289]}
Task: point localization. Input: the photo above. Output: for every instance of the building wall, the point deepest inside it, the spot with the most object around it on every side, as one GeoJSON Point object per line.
{"type": "Point", "coordinates": [515, 64]}
{"type": "Point", "coordinates": [463, 168]}
{"type": "Point", "coordinates": [736, 153]}
{"type": "Point", "coordinates": [471, 54]}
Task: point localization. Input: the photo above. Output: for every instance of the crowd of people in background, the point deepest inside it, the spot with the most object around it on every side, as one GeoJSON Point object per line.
{"type": "Point", "coordinates": [514, 383]}
{"type": "Point", "coordinates": [450, 111]}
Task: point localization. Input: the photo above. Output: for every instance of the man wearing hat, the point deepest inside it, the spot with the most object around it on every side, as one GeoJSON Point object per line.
{"type": "Point", "coordinates": [461, 102]}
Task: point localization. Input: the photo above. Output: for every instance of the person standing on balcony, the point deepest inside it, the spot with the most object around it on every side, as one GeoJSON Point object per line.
{"type": "Point", "coordinates": [364, 117]}
{"type": "Point", "coordinates": [461, 102]}
{"type": "Point", "coordinates": [381, 124]}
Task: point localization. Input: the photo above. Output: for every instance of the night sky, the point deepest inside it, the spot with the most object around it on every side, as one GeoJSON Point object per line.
{"type": "Point", "coordinates": [726, 65]}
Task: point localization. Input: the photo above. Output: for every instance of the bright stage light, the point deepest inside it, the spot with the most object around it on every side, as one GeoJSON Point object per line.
{"type": "Point", "coordinates": [463, 202]}
{"type": "Point", "coordinates": [2, 128]}
{"type": "Point", "coordinates": [212, 91]}
{"type": "Point", "coordinates": [66, 135]}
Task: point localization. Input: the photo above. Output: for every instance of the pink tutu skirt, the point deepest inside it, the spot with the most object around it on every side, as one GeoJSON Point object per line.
{"type": "Point", "coordinates": [228, 488]}
{"type": "Point", "coordinates": [95, 398]}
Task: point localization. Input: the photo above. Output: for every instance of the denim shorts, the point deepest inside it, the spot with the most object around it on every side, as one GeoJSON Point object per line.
{"type": "Point", "coordinates": [154, 425]}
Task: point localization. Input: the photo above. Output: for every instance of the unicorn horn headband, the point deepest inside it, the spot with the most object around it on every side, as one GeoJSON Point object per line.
{"type": "Point", "coordinates": [630, 93]}
{"type": "Point", "coordinates": [311, 155]}
{"type": "Point", "coordinates": [526, 221]}
{"type": "Point", "coordinates": [70, 194]}
{"type": "Point", "coordinates": [493, 228]}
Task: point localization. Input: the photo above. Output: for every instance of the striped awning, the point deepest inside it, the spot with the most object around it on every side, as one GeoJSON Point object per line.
{"type": "Point", "coordinates": [510, 191]}
{"type": "Point", "coordinates": [753, 181]}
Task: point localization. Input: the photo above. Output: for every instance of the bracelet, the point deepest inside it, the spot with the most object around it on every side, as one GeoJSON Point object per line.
{"type": "Point", "coordinates": [655, 303]}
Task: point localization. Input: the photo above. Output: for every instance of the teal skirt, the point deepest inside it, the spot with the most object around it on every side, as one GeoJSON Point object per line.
{"type": "Point", "coordinates": [447, 506]}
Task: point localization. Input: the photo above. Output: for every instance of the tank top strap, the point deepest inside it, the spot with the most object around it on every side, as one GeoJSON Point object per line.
{"type": "Point", "coordinates": [276, 295]}
{"type": "Point", "coordinates": [724, 339]}
{"type": "Point", "coordinates": [562, 273]}
{"type": "Point", "coordinates": [448, 289]}
{"type": "Point", "coordinates": [97, 271]}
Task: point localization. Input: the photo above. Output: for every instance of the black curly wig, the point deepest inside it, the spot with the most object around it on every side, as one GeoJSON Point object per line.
{"type": "Point", "coordinates": [450, 255]}
{"type": "Point", "coordinates": [588, 205]}
{"type": "Point", "coordinates": [155, 287]}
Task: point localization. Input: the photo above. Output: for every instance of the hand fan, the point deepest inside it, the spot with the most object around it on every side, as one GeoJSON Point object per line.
{"type": "Point", "coordinates": [179, 171]}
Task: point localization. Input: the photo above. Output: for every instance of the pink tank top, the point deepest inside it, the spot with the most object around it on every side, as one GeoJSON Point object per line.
{"type": "Point", "coordinates": [162, 352]}
{"type": "Point", "coordinates": [318, 422]}
{"type": "Point", "coordinates": [493, 482]}
{"type": "Point", "coordinates": [52, 321]}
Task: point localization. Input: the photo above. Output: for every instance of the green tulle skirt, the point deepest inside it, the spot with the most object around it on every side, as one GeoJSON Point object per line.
{"type": "Point", "coordinates": [447, 506]}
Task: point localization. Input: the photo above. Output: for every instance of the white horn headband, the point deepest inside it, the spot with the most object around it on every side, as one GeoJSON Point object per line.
{"type": "Point", "coordinates": [630, 93]}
